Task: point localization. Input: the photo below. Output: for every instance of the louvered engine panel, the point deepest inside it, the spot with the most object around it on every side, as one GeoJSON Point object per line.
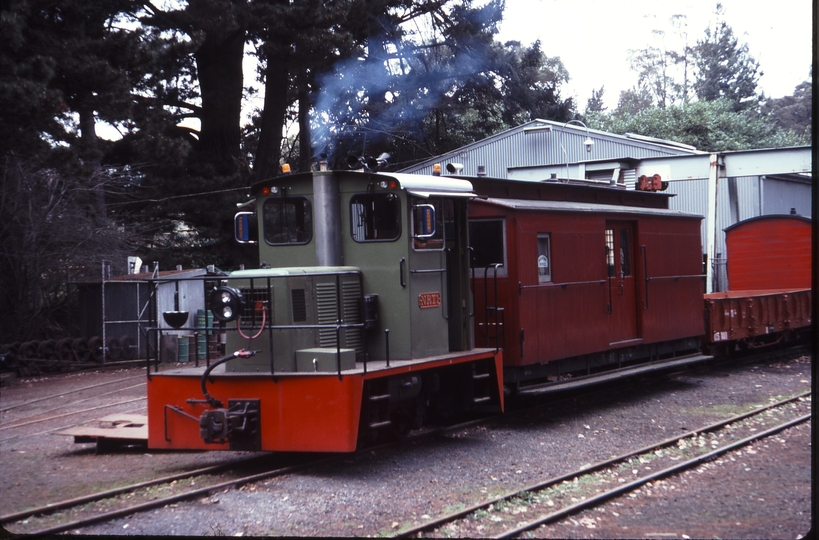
{"type": "Point", "coordinates": [327, 313]}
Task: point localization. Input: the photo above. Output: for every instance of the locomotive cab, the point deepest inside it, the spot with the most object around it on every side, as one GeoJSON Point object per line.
{"type": "Point", "coordinates": [408, 238]}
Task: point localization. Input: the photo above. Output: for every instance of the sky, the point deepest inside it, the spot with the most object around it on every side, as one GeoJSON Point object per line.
{"type": "Point", "coordinates": [593, 37]}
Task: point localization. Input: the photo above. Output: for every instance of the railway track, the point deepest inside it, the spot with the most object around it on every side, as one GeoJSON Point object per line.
{"type": "Point", "coordinates": [58, 395]}
{"type": "Point", "coordinates": [66, 405]}
{"type": "Point", "coordinates": [95, 508]}
{"type": "Point", "coordinates": [590, 486]}
{"type": "Point", "coordinates": [78, 513]}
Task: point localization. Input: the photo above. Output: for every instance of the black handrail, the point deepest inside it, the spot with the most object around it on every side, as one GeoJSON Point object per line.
{"type": "Point", "coordinates": [564, 284]}
{"type": "Point", "coordinates": [494, 308]}
{"type": "Point", "coordinates": [684, 276]}
{"type": "Point", "coordinates": [337, 326]}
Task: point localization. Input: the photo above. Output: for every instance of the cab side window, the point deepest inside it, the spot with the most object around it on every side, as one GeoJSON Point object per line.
{"type": "Point", "coordinates": [288, 220]}
{"type": "Point", "coordinates": [428, 224]}
{"type": "Point", "coordinates": [376, 217]}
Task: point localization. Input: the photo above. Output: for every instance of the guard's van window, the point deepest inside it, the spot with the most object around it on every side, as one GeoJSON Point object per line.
{"type": "Point", "coordinates": [487, 238]}
{"type": "Point", "coordinates": [544, 257]}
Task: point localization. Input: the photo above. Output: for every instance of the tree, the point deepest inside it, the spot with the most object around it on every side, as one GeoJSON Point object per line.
{"type": "Point", "coordinates": [711, 126]}
{"type": "Point", "coordinates": [725, 69]}
{"type": "Point", "coordinates": [653, 66]}
{"type": "Point", "coordinates": [51, 231]}
{"type": "Point", "coordinates": [595, 102]}
{"type": "Point", "coordinates": [531, 85]}
{"type": "Point", "coordinates": [792, 113]}
{"type": "Point", "coordinates": [633, 101]}
{"type": "Point", "coordinates": [63, 67]}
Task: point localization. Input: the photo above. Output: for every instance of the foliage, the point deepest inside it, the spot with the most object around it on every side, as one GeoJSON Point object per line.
{"type": "Point", "coordinates": [712, 126]}
{"type": "Point", "coordinates": [792, 113]}
{"type": "Point", "coordinates": [52, 231]}
{"type": "Point", "coordinates": [653, 66]}
{"type": "Point", "coordinates": [595, 103]}
{"type": "Point", "coordinates": [717, 66]}
{"type": "Point", "coordinates": [725, 69]}
{"type": "Point", "coordinates": [437, 96]}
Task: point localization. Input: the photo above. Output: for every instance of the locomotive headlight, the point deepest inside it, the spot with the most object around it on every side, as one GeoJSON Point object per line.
{"type": "Point", "coordinates": [226, 303]}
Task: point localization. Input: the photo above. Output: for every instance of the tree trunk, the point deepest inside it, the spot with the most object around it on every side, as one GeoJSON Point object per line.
{"type": "Point", "coordinates": [277, 82]}
{"type": "Point", "coordinates": [219, 61]}
{"type": "Point", "coordinates": [305, 148]}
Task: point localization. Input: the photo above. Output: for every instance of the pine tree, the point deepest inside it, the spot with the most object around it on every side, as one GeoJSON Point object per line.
{"type": "Point", "coordinates": [725, 69]}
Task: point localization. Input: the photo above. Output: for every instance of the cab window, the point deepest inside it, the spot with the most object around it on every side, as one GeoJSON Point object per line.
{"type": "Point", "coordinates": [288, 220]}
{"type": "Point", "coordinates": [376, 217]}
{"type": "Point", "coordinates": [428, 224]}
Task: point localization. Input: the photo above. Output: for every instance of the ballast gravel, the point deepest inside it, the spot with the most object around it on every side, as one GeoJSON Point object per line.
{"type": "Point", "coordinates": [378, 492]}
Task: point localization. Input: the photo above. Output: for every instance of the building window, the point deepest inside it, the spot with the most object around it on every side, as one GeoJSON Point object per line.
{"type": "Point", "coordinates": [376, 217]}
{"type": "Point", "coordinates": [487, 237]}
{"type": "Point", "coordinates": [288, 220]}
{"type": "Point", "coordinates": [544, 257]}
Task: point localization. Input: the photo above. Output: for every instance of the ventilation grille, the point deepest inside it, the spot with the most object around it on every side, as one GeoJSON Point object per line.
{"type": "Point", "coordinates": [299, 305]}
{"type": "Point", "coordinates": [327, 313]}
{"type": "Point", "coordinates": [350, 297]}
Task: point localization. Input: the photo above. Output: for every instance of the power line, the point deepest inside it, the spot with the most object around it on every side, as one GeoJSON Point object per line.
{"type": "Point", "coordinates": [172, 197]}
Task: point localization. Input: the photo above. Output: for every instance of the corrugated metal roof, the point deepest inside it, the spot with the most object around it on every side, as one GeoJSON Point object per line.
{"type": "Point", "coordinates": [543, 142]}
{"type": "Point", "coordinates": [583, 207]}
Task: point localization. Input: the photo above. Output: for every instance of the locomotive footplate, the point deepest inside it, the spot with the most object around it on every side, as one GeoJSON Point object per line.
{"type": "Point", "coordinates": [239, 425]}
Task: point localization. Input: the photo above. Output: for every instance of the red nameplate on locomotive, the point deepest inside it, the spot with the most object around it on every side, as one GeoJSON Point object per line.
{"type": "Point", "coordinates": [429, 300]}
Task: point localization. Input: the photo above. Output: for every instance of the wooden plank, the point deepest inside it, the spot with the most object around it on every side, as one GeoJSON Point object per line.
{"type": "Point", "coordinates": [114, 426]}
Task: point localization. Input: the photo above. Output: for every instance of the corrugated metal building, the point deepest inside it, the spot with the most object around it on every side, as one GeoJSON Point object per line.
{"type": "Point", "coordinates": [543, 142]}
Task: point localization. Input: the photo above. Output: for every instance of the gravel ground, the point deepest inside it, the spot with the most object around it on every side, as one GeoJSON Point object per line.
{"type": "Point", "coordinates": [761, 491]}
{"type": "Point", "coordinates": [378, 492]}
{"type": "Point", "coordinates": [38, 467]}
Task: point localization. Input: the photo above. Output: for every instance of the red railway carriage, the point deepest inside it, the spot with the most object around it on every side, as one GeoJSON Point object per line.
{"type": "Point", "coordinates": [769, 252]}
{"type": "Point", "coordinates": [770, 268]}
{"type": "Point", "coordinates": [572, 277]}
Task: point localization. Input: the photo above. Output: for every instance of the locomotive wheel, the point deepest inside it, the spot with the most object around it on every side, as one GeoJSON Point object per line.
{"type": "Point", "coordinates": [82, 352]}
{"type": "Point", "coordinates": [64, 350]}
{"type": "Point", "coordinates": [128, 347]}
{"type": "Point", "coordinates": [114, 349]}
{"type": "Point", "coordinates": [29, 349]}
{"type": "Point", "coordinates": [95, 347]}
{"type": "Point", "coordinates": [47, 349]}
